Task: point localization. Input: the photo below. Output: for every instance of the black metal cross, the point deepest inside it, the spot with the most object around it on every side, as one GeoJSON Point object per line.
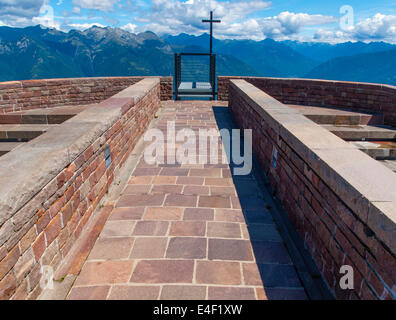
{"type": "Point", "coordinates": [211, 21]}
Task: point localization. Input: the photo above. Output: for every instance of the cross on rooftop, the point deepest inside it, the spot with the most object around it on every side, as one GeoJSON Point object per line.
{"type": "Point", "coordinates": [211, 21]}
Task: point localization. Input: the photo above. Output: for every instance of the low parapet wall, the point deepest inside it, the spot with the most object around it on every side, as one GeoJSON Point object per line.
{"type": "Point", "coordinates": [50, 187]}
{"type": "Point", "coordinates": [341, 201]}
{"type": "Point", "coordinates": [34, 94]}
{"type": "Point", "coordinates": [352, 95]}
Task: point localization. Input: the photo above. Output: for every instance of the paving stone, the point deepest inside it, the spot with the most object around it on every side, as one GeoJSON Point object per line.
{"type": "Point", "coordinates": [219, 182]}
{"type": "Point", "coordinates": [164, 180]}
{"type": "Point", "coordinates": [270, 275]}
{"type": "Point", "coordinates": [198, 214]}
{"type": "Point", "coordinates": [111, 248]}
{"type": "Point", "coordinates": [270, 252]}
{"type": "Point", "coordinates": [117, 228]}
{"type": "Point", "coordinates": [186, 248]}
{"type": "Point", "coordinates": [141, 180]}
{"type": "Point", "coordinates": [134, 292]}
{"type": "Point", "coordinates": [188, 228]}
{"type": "Point", "coordinates": [214, 202]}
{"type": "Point", "coordinates": [229, 215]}
{"type": "Point", "coordinates": [196, 190]}
{"type": "Point", "coordinates": [281, 294]}
{"type": "Point", "coordinates": [151, 228]}
{"type": "Point", "coordinates": [222, 191]}
{"type": "Point", "coordinates": [141, 200]}
{"type": "Point", "coordinates": [89, 293]}
{"type": "Point", "coordinates": [137, 189]}
{"type": "Point", "coordinates": [105, 272]}
{"type": "Point", "coordinates": [210, 172]}
{"type": "Point", "coordinates": [218, 272]}
{"type": "Point", "coordinates": [190, 181]}
{"type": "Point", "coordinates": [163, 213]}
{"type": "Point", "coordinates": [224, 230]}
{"type": "Point", "coordinates": [127, 214]}
{"type": "Point", "coordinates": [183, 293]}
{"type": "Point", "coordinates": [265, 232]}
{"type": "Point", "coordinates": [163, 271]}
{"type": "Point", "coordinates": [180, 200]}
{"type": "Point", "coordinates": [230, 249]}
{"type": "Point", "coordinates": [174, 172]}
{"type": "Point", "coordinates": [146, 172]}
{"type": "Point", "coordinates": [167, 189]}
{"type": "Point", "coordinates": [149, 247]}
{"type": "Point", "coordinates": [231, 293]}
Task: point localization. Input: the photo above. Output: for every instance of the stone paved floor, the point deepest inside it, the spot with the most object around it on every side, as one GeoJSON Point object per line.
{"type": "Point", "coordinates": [189, 231]}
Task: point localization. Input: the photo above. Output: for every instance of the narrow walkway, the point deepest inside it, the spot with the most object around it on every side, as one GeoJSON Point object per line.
{"type": "Point", "coordinates": [189, 231]}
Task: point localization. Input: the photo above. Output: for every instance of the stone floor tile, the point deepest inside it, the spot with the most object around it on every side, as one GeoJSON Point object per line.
{"type": "Point", "coordinates": [196, 190]}
{"type": "Point", "coordinates": [127, 214]}
{"type": "Point", "coordinates": [163, 213]}
{"type": "Point", "coordinates": [137, 189]}
{"type": "Point", "coordinates": [141, 200]}
{"type": "Point", "coordinates": [188, 228]}
{"type": "Point", "coordinates": [128, 292]}
{"type": "Point", "coordinates": [229, 215]}
{"type": "Point", "coordinates": [163, 271]}
{"type": "Point", "coordinates": [214, 202]}
{"type": "Point", "coordinates": [270, 275]}
{"type": "Point", "coordinates": [222, 191]}
{"type": "Point", "coordinates": [140, 180]}
{"type": "Point", "coordinates": [146, 172]}
{"type": "Point", "coordinates": [230, 249]}
{"type": "Point", "coordinates": [89, 293]}
{"type": "Point", "coordinates": [190, 181]}
{"type": "Point", "coordinates": [186, 248]}
{"type": "Point", "coordinates": [231, 293]}
{"type": "Point", "coordinates": [174, 172]}
{"type": "Point", "coordinates": [224, 230]}
{"type": "Point", "coordinates": [198, 214]}
{"type": "Point", "coordinates": [105, 272]}
{"type": "Point", "coordinates": [225, 182]}
{"type": "Point", "coordinates": [117, 228]}
{"type": "Point", "coordinates": [151, 228]}
{"type": "Point", "coordinates": [218, 272]}
{"type": "Point", "coordinates": [180, 200]}
{"type": "Point", "coordinates": [164, 180]}
{"type": "Point", "coordinates": [183, 292]}
{"type": "Point", "coordinates": [167, 188]}
{"type": "Point", "coordinates": [149, 247]}
{"type": "Point", "coordinates": [111, 248]}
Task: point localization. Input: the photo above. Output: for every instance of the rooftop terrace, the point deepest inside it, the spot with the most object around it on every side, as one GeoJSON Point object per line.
{"type": "Point", "coordinates": [77, 194]}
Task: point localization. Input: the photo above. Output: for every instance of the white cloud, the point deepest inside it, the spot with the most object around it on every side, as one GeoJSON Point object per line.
{"type": "Point", "coordinates": [379, 27]}
{"type": "Point", "coordinates": [174, 16]}
{"type": "Point", "coordinates": [102, 5]}
{"type": "Point", "coordinates": [130, 27]}
{"type": "Point", "coordinates": [85, 26]}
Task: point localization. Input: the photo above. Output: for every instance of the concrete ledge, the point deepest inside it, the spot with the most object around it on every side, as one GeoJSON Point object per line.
{"type": "Point", "coordinates": [336, 195]}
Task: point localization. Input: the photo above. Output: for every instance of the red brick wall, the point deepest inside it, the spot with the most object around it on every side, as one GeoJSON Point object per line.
{"type": "Point", "coordinates": [352, 95]}
{"type": "Point", "coordinates": [53, 219]}
{"type": "Point", "coordinates": [333, 234]}
{"type": "Point", "coordinates": [33, 94]}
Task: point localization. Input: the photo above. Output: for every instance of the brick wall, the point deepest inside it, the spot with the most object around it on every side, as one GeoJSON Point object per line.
{"type": "Point", "coordinates": [33, 94]}
{"type": "Point", "coordinates": [44, 229]}
{"type": "Point", "coordinates": [352, 95]}
{"type": "Point", "coordinates": [334, 229]}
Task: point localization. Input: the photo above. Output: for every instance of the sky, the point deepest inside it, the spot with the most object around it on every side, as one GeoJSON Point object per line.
{"type": "Point", "coordinates": [304, 20]}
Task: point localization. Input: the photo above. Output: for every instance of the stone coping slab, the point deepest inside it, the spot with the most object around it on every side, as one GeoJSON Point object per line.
{"type": "Point", "coordinates": [25, 171]}
{"type": "Point", "coordinates": [365, 185]}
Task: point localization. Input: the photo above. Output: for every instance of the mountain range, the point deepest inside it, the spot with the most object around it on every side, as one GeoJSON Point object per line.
{"type": "Point", "coordinates": [37, 52]}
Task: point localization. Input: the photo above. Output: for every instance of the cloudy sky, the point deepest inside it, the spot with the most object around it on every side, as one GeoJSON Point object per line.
{"type": "Point", "coordinates": [305, 20]}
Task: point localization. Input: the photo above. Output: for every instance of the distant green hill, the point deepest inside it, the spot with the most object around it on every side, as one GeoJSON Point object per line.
{"type": "Point", "coordinates": [378, 67]}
